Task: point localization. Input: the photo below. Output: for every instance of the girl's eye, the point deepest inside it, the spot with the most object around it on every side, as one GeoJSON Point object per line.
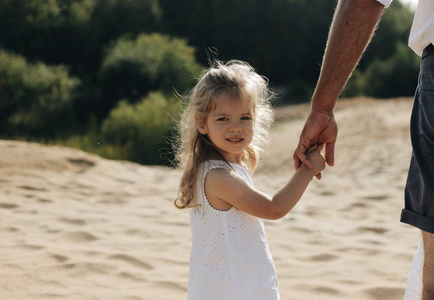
{"type": "Point", "coordinates": [246, 118]}
{"type": "Point", "coordinates": [222, 119]}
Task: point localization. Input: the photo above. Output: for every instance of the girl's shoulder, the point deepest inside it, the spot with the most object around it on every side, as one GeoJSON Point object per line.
{"type": "Point", "coordinates": [210, 165]}
{"type": "Point", "coordinates": [216, 163]}
{"type": "Point", "coordinates": [221, 164]}
{"type": "Point", "coordinates": [225, 169]}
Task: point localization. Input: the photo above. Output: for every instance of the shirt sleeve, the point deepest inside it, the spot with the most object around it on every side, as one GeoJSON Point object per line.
{"type": "Point", "coordinates": [386, 3]}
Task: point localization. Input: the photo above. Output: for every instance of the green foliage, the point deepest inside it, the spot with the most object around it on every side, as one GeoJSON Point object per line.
{"type": "Point", "coordinates": [389, 67]}
{"type": "Point", "coordinates": [115, 18]}
{"type": "Point", "coordinates": [394, 29]}
{"type": "Point", "coordinates": [134, 67]}
{"type": "Point", "coordinates": [283, 39]}
{"type": "Point", "coordinates": [29, 25]}
{"type": "Point", "coordinates": [35, 98]}
{"type": "Point", "coordinates": [393, 77]}
{"type": "Point", "coordinates": [143, 130]}
{"type": "Point", "coordinates": [72, 32]}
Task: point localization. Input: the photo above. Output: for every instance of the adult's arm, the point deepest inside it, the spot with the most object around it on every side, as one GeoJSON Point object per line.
{"type": "Point", "coordinates": [353, 25]}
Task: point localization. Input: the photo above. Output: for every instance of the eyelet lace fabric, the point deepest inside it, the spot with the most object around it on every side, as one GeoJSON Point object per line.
{"type": "Point", "coordinates": [413, 290]}
{"type": "Point", "coordinates": [230, 257]}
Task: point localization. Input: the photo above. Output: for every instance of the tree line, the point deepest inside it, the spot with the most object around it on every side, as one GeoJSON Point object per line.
{"type": "Point", "coordinates": [102, 75]}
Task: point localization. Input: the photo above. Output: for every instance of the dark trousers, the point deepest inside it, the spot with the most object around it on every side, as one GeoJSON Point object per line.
{"type": "Point", "coordinates": [419, 190]}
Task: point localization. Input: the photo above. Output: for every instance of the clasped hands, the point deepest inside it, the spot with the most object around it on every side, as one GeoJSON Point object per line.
{"type": "Point", "coordinates": [319, 130]}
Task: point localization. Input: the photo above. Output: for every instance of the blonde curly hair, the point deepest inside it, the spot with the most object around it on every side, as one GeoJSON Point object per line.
{"type": "Point", "coordinates": [236, 79]}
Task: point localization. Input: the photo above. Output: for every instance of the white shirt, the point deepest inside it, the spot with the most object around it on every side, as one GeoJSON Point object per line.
{"type": "Point", "coordinates": [230, 257]}
{"type": "Point", "coordinates": [422, 30]}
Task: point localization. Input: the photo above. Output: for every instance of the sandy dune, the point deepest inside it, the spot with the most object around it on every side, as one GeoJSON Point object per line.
{"type": "Point", "coordinates": [77, 226]}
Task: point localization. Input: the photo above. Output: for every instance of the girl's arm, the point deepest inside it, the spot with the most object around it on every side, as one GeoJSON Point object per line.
{"type": "Point", "coordinates": [228, 186]}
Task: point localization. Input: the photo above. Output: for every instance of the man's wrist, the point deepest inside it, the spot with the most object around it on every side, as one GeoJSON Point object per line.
{"type": "Point", "coordinates": [325, 106]}
{"type": "Point", "coordinates": [324, 111]}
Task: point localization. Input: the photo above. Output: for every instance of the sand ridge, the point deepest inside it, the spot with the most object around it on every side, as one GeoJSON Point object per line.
{"type": "Point", "coordinates": [77, 226]}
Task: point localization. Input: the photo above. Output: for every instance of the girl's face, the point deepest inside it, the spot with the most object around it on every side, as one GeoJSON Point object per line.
{"type": "Point", "coordinates": [230, 127]}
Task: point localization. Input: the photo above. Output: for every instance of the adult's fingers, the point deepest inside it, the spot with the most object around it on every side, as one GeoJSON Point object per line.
{"type": "Point", "coordinates": [296, 160]}
{"type": "Point", "coordinates": [301, 157]}
{"type": "Point", "coordinates": [312, 148]}
{"type": "Point", "coordinates": [330, 154]}
{"type": "Point", "coordinates": [318, 148]}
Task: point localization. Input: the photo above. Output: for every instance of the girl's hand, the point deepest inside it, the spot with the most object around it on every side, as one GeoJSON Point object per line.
{"type": "Point", "coordinates": [317, 159]}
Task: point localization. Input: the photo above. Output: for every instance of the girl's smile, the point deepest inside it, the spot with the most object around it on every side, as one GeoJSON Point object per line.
{"type": "Point", "coordinates": [235, 140]}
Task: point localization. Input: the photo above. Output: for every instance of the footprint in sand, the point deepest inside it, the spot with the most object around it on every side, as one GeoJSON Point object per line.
{"type": "Point", "coordinates": [124, 180]}
{"type": "Point", "coordinates": [358, 204]}
{"type": "Point", "coordinates": [32, 188]}
{"type": "Point", "coordinates": [113, 200]}
{"type": "Point", "coordinates": [376, 197]}
{"type": "Point", "coordinates": [320, 257]}
{"type": "Point", "coordinates": [138, 233]}
{"type": "Point", "coordinates": [81, 268]}
{"type": "Point", "coordinates": [33, 247]}
{"type": "Point", "coordinates": [79, 236]}
{"type": "Point", "coordinates": [132, 261]}
{"type": "Point", "coordinates": [323, 290]}
{"type": "Point", "coordinates": [327, 193]}
{"type": "Point", "coordinates": [133, 276]}
{"type": "Point", "coordinates": [378, 230]}
{"type": "Point", "coordinates": [42, 200]}
{"type": "Point", "coordinates": [319, 290]}
{"type": "Point", "coordinates": [171, 285]}
{"type": "Point", "coordinates": [8, 205]}
{"type": "Point", "coordinates": [358, 251]}
{"type": "Point", "coordinates": [384, 293]}
{"type": "Point", "coordinates": [76, 222]}
{"type": "Point", "coordinates": [353, 206]}
{"type": "Point", "coordinates": [10, 229]}
{"type": "Point", "coordinates": [59, 258]}
{"type": "Point", "coordinates": [350, 282]}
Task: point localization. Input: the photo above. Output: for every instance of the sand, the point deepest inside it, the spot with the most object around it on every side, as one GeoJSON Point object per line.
{"type": "Point", "coordinates": [77, 226]}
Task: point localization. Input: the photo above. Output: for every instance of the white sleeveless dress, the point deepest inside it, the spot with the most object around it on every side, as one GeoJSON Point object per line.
{"type": "Point", "coordinates": [230, 257]}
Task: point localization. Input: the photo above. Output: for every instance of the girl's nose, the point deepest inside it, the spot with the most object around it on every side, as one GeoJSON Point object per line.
{"type": "Point", "coordinates": [236, 128]}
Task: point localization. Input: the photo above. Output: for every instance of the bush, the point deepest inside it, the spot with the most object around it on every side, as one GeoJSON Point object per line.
{"type": "Point", "coordinates": [143, 130]}
{"type": "Point", "coordinates": [132, 68]}
{"type": "Point", "coordinates": [72, 32]}
{"type": "Point", "coordinates": [393, 77]}
{"type": "Point", "coordinates": [392, 31]}
{"type": "Point", "coordinates": [35, 98]}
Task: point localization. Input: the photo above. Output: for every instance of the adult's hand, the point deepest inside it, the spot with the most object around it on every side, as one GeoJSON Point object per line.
{"type": "Point", "coordinates": [320, 128]}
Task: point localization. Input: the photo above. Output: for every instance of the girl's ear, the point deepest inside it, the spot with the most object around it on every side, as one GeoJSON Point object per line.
{"type": "Point", "coordinates": [200, 124]}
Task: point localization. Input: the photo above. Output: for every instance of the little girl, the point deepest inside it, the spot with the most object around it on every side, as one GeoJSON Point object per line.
{"type": "Point", "coordinates": [222, 132]}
